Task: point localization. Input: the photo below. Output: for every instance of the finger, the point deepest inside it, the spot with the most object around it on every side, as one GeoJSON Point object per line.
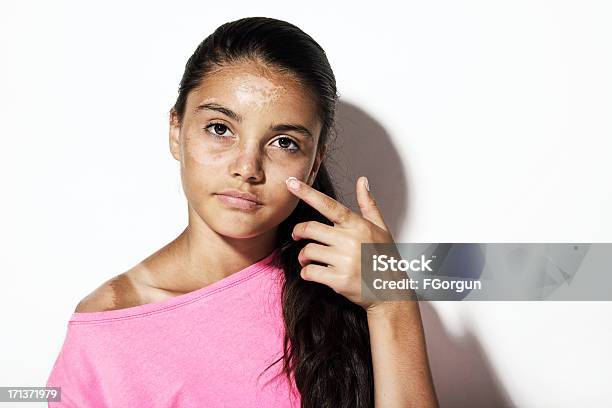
{"type": "Point", "coordinates": [316, 231]}
{"type": "Point", "coordinates": [367, 205]}
{"type": "Point", "coordinates": [318, 273]}
{"type": "Point", "coordinates": [330, 208]}
{"type": "Point", "coordinates": [317, 253]}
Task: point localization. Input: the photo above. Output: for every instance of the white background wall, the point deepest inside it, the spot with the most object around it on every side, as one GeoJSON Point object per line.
{"type": "Point", "coordinates": [480, 121]}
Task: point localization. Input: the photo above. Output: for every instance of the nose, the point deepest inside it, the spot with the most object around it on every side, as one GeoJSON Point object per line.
{"type": "Point", "coordinates": [248, 165]}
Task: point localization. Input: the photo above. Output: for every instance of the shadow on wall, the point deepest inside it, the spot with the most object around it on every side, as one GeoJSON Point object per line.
{"type": "Point", "coordinates": [364, 148]}
{"type": "Point", "coordinates": [462, 374]}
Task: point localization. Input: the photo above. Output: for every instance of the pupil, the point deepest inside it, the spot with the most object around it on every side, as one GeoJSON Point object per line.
{"type": "Point", "coordinates": [284, 139]}
{"type": "Point", "coordinates": [218, 127]}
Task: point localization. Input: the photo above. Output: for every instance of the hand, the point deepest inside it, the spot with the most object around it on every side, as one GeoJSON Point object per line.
{"type": "Point", "coordinates": [340, 245]}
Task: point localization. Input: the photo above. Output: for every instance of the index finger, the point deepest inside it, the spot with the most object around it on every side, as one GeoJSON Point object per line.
{"type": "Point", "coordinates": [330, 208]}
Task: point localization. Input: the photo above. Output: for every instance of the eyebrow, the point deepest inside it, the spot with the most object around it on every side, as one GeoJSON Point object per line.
{"type": "Point", "coordinates": [282, 127]}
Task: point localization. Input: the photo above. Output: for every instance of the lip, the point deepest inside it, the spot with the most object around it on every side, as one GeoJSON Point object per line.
{"type": "Point", "coordinates": [239, 199]}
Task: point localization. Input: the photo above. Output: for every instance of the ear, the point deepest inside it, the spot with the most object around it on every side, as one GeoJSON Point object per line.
{"type": "Point", "coordinates": [174, 134]}
{"type": "Point", "coordinates": [316, 165]}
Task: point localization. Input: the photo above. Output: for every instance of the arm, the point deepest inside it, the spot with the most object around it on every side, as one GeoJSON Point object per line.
{"type": "Point", "coordinates": [402, 377]}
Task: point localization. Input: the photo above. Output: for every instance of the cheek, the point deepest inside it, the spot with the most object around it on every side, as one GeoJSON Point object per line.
{"type": "Point", "coordinates": [276, 175]}
{"type": "Point", "coordinates": [202, 153]}
{"type": "Point", "coordinates": [287, 166]}
{"type": "Point", "coordinates": [198, 162]}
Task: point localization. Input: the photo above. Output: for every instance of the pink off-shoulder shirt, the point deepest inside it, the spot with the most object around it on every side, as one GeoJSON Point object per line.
{"type": "Point", "coordinates": [205, 348]}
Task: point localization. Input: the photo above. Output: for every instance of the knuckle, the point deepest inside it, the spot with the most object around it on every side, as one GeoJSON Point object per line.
{"type": "Point", "coordinates": [307, 227]}
{"type": "Point", "coordinates": [343, 214]}
{"type": "Point", "coordinates": [330, 205]}
{"type": "Point", "coordinates": [307, 250]}
{"type": "Point", "coordinates": [299, 229]}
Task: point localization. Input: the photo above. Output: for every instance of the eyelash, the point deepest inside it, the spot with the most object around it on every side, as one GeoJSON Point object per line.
{"type": "Point", "coordinates": [216, 136]}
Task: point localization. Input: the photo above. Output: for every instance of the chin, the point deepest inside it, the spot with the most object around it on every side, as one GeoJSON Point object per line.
{"type": "Point", "coordinates": [238, 225]}
{"type": "Point", "coordinates": [237, 232]}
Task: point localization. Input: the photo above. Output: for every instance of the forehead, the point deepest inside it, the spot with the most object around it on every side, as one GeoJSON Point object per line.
{"type": "Point", "coordinates": [255, 91]}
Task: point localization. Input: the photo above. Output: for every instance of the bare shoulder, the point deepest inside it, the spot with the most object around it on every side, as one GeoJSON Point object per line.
{"type": "Point", "coordinates": [141, 284]}
{"type": "Point", "coordinates": [118, 292]}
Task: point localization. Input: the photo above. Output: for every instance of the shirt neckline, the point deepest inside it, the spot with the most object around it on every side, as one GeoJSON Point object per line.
{"type": "Point", "coordinates": [176, 301]}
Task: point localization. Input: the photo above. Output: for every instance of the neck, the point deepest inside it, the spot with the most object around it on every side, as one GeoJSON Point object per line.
{"type": "Point", "coordinates": [206, 256]}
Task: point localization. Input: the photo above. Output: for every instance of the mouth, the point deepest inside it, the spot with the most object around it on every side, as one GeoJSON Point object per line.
{"type": "Point", "coordinates": [239, 200]}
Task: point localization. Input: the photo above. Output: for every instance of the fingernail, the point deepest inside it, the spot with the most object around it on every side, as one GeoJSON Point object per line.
{"type": "Point", "coordinates": [293, 183]}
{"type": "Point", "coordinates": [367, 185]}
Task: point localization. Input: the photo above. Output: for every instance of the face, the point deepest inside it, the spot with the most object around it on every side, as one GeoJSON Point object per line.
{"type": "Point", "coordinates": [234, 137]}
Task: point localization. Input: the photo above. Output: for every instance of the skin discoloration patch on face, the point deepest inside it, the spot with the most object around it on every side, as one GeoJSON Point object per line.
{"type": "Point", "coordinates": [256, 91]}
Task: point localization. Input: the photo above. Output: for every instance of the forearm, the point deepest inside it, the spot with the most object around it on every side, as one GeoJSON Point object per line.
{"type": "Point", "coordinates": [402, 377]}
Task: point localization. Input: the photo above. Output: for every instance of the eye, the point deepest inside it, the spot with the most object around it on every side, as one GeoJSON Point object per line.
{"type": "Point", "coordinates": [218, 129]}
{"type": "Point", "coordinates": [284, 141]}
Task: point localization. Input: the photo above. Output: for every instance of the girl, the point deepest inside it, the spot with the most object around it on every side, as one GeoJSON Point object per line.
{"type": "Point", "coordinates": [257, 302]}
